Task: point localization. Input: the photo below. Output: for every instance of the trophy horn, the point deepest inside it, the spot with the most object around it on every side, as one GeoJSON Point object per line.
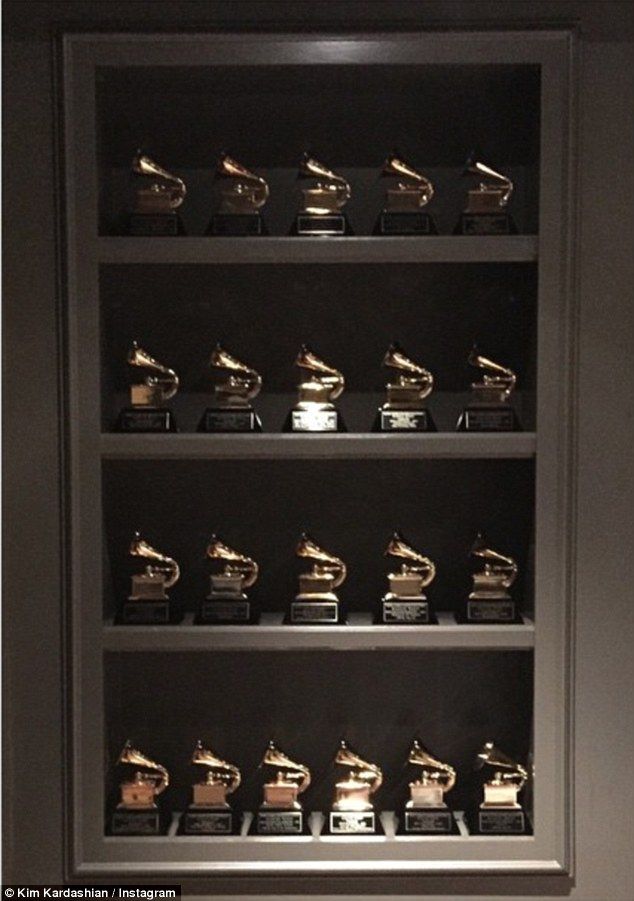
{"type": "Point", "coordinates": [227, 167]}
{"type": "Point", "coordinates": [222, 359]}
{"type": "Point", "coordinates": [246, 566]}
{"type": "Point", "coordinates": [147, 167]}
{"type": "Point", "coordinates": [309, 167]}
{"type": "Point", "coordinates": [307, 359]}
{"type": "Point", "coordinates": [474, 167]}
{"type": "Point", "coordinates": [308, 548]}
{"type": "Point", "coordinates": [166, 565]}
{"type": "Point", "coordinates": [130, 755]}
{"type": "Point", "coordinates": [494, 559]}
{"type": "Point", "coordinates": [402, 549]}
{"type": "Point", "coordinates": [395, 166]}
{"type": "Point", "coordinates": [491, 756]}
{"type": "Point", "coordinates": [367, 772]}
{"type": "Point", "coordinates": [503, 375]}
{"type": "Point", "coordinates": [273, 756]}
{"type": "Point", "coordinates": [163, 375]}
{"type": "Point", "coordinates": [420, 756]}
{"type": "Point", "coordinates": [227, 772]}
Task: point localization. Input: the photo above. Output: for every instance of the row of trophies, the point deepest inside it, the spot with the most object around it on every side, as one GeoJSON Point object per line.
{"type": "Point", "coordinates": [316, 602]}
{"type": "Point", "coordinates": [425, 812]}
{"type": "Point", "coordinates": [235, 385]}
{"type": "Point", "coordinates": [243, 195]}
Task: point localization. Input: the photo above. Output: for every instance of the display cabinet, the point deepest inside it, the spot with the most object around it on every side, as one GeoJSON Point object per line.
{"type": "Point", "coordinates": [349, 99]}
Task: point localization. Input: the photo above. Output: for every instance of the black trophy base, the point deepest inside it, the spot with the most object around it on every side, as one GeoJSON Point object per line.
{"type": "Point", "coordinates": [314, 613]}
{"type": "Point", "coordinates": [146, 419]}
{"type": "Point", "coordinates": [499, 821]}
{"type": "Point", "coordinates": [485, 224]}
{"type": "Point", "coordinates": [229, 419]}
{"type": "Point", "coordinates": [404, 421]}
{"type": "Point", "coordinates": [136, 822]}
{"type": "Point", "coordinates": [155, 225]}
{"type": "Point", "coordinates": [496, 611]}
{"type": "Point", "coordinates": [353, 822]}
{"type": "Point", "coordinates": [304, 421]}
{"type": "Point", "coordinates": [145, 613]}
{"type": "Point", "coordinates": [209, 821]}
{"type": "Point", "coordinates": [226, 612]}
{"type": "Point", "coordinates": [331, 225]}
{"type": "Point", "coordinates": [237, 225]}
{"type": "Point", "coordinates": [405, 224]}
{"type": "Point", "coordinates": [406, 612]}
{"type": "Point", "coordinates": [427, 821]}
{"type": "Point", "coordinates": [279, 822]}
{"type": "Point", "coordinates": [488, 419]}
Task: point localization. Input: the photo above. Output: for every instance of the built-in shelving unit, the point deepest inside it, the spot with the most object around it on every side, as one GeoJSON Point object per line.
{"type": "Point", "coordinates": [184, 98]}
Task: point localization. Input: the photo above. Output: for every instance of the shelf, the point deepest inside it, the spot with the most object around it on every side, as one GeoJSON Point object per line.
{"type": "Point", "coordinates": [438, 249]}
{"type": "Point", "coordinates": [360, 634]}
{"type": "Point", "coordinates": [440, 445]}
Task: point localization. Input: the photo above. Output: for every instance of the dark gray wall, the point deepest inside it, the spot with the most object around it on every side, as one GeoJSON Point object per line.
{"type": "Point", "coordinates": [604, 626]}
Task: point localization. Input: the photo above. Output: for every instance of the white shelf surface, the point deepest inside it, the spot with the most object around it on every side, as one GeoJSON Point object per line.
{"type": "Point", "coordinates": [360, 634]}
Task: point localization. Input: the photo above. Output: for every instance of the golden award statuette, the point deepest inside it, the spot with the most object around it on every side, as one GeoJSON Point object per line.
{"type": "Point", "coordinates": [486, 211]}
{"type": "Point", "coordinates": [316, 604]}
{"type": "Point", "coordinates": [321, 385]}
{"type": "Point", "coordinates": [409, 386]}
{"type": "Point", "coordinates": [137, 812]}
{"type": "Point", "coordinates": [242, 194]}
{"type": "Point", "coordinates": [281, 813]}
{"type": "Point", "coordinates": [321, 213]}
{"type": "Point", "coordinates": [405, 603]}
{"type": "Point", "coordinates": [489, 409]}
{"type": "Point", "coordinates": [500, 813]}
{"type": "Point", "coordinates": [235, 385]}
{"type": "Point", "coordinates": [158, 195]}
{"type": "Point", "coordinates": [405, 200]}
{"type": "Point", "coordinates": [352, 811]}
{"type": "Point", "coordinates": [490, 601]}
{"type": "Point", "coordinates": [151, 385]}
{"type": "Point", "coordinates": [426, 812]}
{"type": "Point", "coordinates": [209, 812]}
{"type": "Point", "coordinates": [227, 602]}
{"type": "Point", "coordinates": [148, 603]}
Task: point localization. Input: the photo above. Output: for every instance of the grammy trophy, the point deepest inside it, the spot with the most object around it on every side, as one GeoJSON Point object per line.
{"type": "Point", "coordinates": [235, 385]}
{"type": "Point", "coordinates": [158, 195]}
{"type": "Point", "coordinates": [242, 195]}
{"type": "Point", "coordinates": [405, 603]}
{"type": "Point", "coordinates": [148, 602]}
{"type": "Point", "coordinates": [227, 601]}
{"type": "Point", "coordinates": [489, 409]}
{"type": "Point", "coordinates": [426, 812]}
{"type": "Point", "coordinates": [486, 212]}
{"type": "Point", "coordinates": [500, 812]}
{"type": "Point", "coordinates": [281, 812]}
{"type": "Point", "coordinates": [352, 811]}
{"type": "Point", "coordinates": [404, 212]}
{"type": "Point", "coordinates": [151, 384]}
{"type": "Point", "coordinates": [137, 812]}
{"type": "Point", "coordinates": [410, 384]}
{"type": "Point", "coordinates": [316, 602]}
{"type": "Point", "coordinates": [209, 812]}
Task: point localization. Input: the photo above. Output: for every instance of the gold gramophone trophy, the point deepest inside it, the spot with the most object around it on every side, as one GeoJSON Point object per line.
{"type": "Point", "coordinates": [316, 602]}
{"type": "Point", "coordinates": [148, 603]}
{"type": "Point", "coordinates": [489, 409]}
{"type": "Point", "coordinates": [235, 386]}
{"type": "Point", "coordinates": [227, 602]}
{"type": "Point", "coordinates": [209, 812]}
{"type": "Point", "coordinates": [137, 812]}
{"type": "Point", "coordinates": [321, 385]}
{"type": "Point", "coordinates": [500, 813]}
{"type": "Point", "coordinates": [486, 212]}
{"type": "Point", "coordinates": [404, 211]}
{"type": "Point", "coordinates": [321, 213]}
{"type": "Point", "coordinates": [490, 601]}
{"type": "Point", "coordinates": [405, 603]}
{"type": "Point", "coordinates": [410, 384]}
{"type": "Point", "coordinates": [352, 812]}
{"type": "Point", "coordinates": [158, 195]}
{"type": "Point", "coordinates": [242, 194]}
{"type": "Point", "coordinates": [151, 385]}
{"type": "Point", "coordinates": [281, 812]}
{"type": "Point", "coordinates": [426, 812]}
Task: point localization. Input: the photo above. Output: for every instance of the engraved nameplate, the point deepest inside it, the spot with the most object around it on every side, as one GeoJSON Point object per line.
{"type": "Point", "coordinates": [334, 225]}
{"type": "Point", "coordinates": [208, 822]}
{"type": "Point", "coordinates": [154, 224]}
{"type": "Point", "coordinates": [489, 420]}
{"type": "Point", "coordinates": [229, 421]}
{"type": "Point", "coordinates": [485, 224]}
{"type": "Point", "coordinates": [145, 613]}
{"type": "Point", "coordinates": [280, 822]}
{"type": "Point", "coordinates": [151, 419]}
{"type": "Point", "coordinates": [352, 822]}
{"type": "Point", "coordinates": [432, 821]}
{"type": "Point", "coordinates": [314, 612]}
{"type": "Point", "coordinates": [404, 421]}
{"type": "Point", "coordinates": [406, 224]}
{"type": "Point", "coordinates": [480, 611]}
{"type": "Point", "coordinates": [404, 612]}
{"type": "Point", "coordinates": [225, 611]}
{"type": "Point", "coordinates": [236, 225]}
{"type": "Point", "coordinates": [314, 421]}
{"type": "Point", "coordinates": [501, 822]}
{"type": "Point", "coordinates": [136, 822]}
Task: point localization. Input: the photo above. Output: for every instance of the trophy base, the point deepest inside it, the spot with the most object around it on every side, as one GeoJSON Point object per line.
{"type": "Point", "coordinates": [145, 613]}
{"type": "Point", "coordinates": [225, 612]}
{"type": "Point", "coordinates": [488, 419]}
{"type": "Point", "coordinates": [485, 224]}
{"type": "Point", "coordinates": [404, 421]}
{"type": "Point", "coordinates": [428, 821]}
{"type": "Point", "coordinates": [236, 225]}
{"type": "Point", "coordinates": [229, 419]}
{"type": "Point", "coordinates": [146, 419]}
{"type": "Point", "coordinates": [314, 613]}
{"type": "Point", "coordinates": [136, 822]}
{"type": "Point", "coordinates": [158, 225]}
{"type": "Point", "coordinates": [498, 611]}
{"type": "Point", "coordinates": [406, 612]}
{"type": "Point", "coordinates": [353, 822]}
{"type": "Point", "coordinates": [314, 421]}
{"type": "Point", "coordinates": [331, 225]}
{"type": "Point", "coordinates": [500, 821]}
{"type": "Point", "coordinates": [209, 821]}
{"type": "Point", "coordinates": [279, 822]}
{"type": "Point", "coordinates": [405, 224]}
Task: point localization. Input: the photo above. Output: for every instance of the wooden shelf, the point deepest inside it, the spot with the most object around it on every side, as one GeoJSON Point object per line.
{"type": "Point", "coordinates": [440, 445]}
{"type": "Point", "coordinates": [437, 249]}
{"type": "Point", "coordinates": [360, 634]}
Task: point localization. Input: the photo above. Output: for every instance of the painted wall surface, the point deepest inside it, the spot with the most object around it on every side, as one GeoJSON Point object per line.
{"type": "Point", "coordinates": [604, 621]}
